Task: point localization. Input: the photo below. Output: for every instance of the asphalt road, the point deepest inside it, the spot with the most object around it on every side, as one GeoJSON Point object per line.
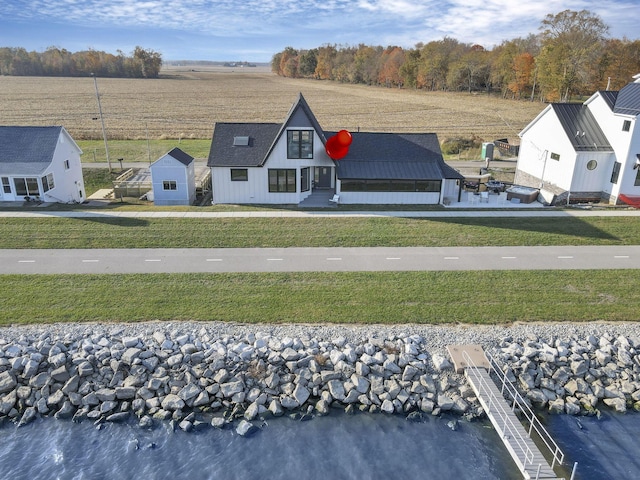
{"type": "Point", "coordinates": [42, 261]}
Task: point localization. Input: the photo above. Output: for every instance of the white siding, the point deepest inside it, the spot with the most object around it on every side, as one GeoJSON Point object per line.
{"type": "Point", "coordinates": [539, 141]}
{"type": "Point", "coordinates": [256, 188]}
{"type": "Point", "coordinates": [68, 183]}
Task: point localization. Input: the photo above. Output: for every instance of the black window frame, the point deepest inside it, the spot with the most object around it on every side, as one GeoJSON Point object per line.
{"type": "Point", "coordinates": [385, 185]}
{"type": "Point", "coordinates": [636, 182]}
{"type": "Point", "coordinates": [6, 185]}
{"type": "Point", "coordinates": [555, 156]}
{"type": "Point", "coordinates": [626, 125]}
{"type": "Point", "coordinates": [239, 174]}
{"type": "Point", "coordinates": [169, 185]}
{"type": "Point", "coordinates": [615, 172]}
{"type": "Point", "coordinates": [297, 147]}
{"type": "Point", "coordinates": [305, 179]}
{"type": "Point", "coordinates": [282, 180]}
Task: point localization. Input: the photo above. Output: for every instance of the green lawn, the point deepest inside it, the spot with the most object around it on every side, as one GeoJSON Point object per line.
{"type": "Point", "coordinates": [112, 232]}
{"type": "Point", "coordinates": [140, 150]}
{"type": "Point", "coordinates": [491, 297]}
{"type": "Point", "coordinates": [373, 298]}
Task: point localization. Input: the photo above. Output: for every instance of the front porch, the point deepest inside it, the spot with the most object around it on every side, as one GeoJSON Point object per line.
{"type": "Point", "coordinates": [319, 198]}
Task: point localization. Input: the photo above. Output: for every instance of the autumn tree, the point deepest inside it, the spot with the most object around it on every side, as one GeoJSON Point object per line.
{"type": "Point", "coordinates": [572, 43]}
{"type": "Point", "coordinates": [436, 58]}
{"type": "Point", "coordinates": [366, 67]}
{"type": "Point", "coordinates": [619, 63]}
{"type": "Point", "coordinates": [390, 62]}
{"type": "Point", "coordinates": [308, 63]}
{"type": "Point", "coordinates": [326, 55]}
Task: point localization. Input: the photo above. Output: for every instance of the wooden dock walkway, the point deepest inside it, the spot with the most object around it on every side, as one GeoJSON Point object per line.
{"type": "Point", "coordinates": [526, 453]}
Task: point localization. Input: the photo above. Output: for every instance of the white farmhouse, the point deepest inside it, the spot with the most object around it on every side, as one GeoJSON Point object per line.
{"type": "Point", "coordinates": [585, 152]}
{"type": "Point", "coordinates": [173, 179]}
{"type": "Point", "coordinates": [271, 163]}
{"type": "Point", "coordinates": [40, 164]}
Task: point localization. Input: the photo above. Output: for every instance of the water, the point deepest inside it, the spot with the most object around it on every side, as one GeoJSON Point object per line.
{"type": "Point", "coordinates": [334, 447]}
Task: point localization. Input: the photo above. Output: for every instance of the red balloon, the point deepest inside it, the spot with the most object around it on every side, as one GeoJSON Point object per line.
{"type": "Point", "coordinates": [338, 153]}
{"type": "Point", "coordinates": [344, 138]}
{"type": "Point", "coordinates": [335, 149]}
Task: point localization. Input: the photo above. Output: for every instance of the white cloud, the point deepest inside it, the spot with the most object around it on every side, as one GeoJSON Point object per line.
{"type": "Point", "coordinates": [260, 25]}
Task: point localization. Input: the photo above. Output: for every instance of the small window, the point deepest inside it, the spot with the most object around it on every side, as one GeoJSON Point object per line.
{"type": "Point", "coordinates": [66, 165]}
{"type": "Point", "coordinates": [6, 186]}
{"type": "Point", "coordinates": [615, 173]}
{"type": "Point", "coordinates": [169, 185]}
{"type": "Point", "coordinates": [591, 165]}
{"type": "Point", "coordinates": [636, 182]}
{"type": "Point", "coordinates": [626, 125]}
{"type": "Point", "coordinates": [241, 141]}
{"type": "Point", "coordinates": [555, 156]}
{"type": "Point", "coordinates": [239, 175]}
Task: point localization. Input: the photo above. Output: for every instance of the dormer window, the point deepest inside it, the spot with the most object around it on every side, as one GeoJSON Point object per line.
{"type": "Point", "coordinates": [241, 141]}
{"type": "Point", "coordinates": [300, 144]}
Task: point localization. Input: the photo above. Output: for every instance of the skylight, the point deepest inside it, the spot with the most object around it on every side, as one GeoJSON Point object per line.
{"type": "Point", "coordinates": [240, 141]}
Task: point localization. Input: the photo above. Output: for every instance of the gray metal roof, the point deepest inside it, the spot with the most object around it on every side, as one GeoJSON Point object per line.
{"type": "Point", "coordinates": [410, 156]}
{"type": "Point", "coordinates": [628, 101]}
{"type": "Point", "coordinates": [224, 154]}
{"type": "Point", "coordinates": [581, 128]}
{"type": "Point", "coordinates": [27, 150]}
{"type": "Point", "coordinates": [181, 156]}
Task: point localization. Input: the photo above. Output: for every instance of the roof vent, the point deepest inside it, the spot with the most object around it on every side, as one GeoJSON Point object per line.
{"type": "Point", "coordinates": [241, 141]}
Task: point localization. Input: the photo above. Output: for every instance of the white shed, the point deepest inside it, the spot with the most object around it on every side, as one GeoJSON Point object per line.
{"type": "Point", "coordinates": [173, 179]}
{"type": "Point", "coordinates": [40, 164]}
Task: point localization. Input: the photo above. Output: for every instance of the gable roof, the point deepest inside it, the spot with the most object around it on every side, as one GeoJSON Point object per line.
{"type": "Point", "coordinates": [581, 127]}
{"type": "Point", "coordinates": [410, 156]}
{"type": "Point", "coordinates": [181, 156]}
{"type": "Point", "coordinates": [27, 150]}
{"type": "Point", "coordinates": [628, 100]}
{"type": "Point", "coordinates": [300, 106]}
{"type": "Point", "coordinates": [263, 138]}
{"type": "Point", "coordinates": [224, 153]}
{"type": "Point", "coordinates": [609, 97]}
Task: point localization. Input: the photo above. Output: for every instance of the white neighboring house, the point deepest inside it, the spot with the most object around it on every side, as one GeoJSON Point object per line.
{"type": "Point", "coordinates": [40, 164]}
{"type": "Point", "coordinates": [173, 179]}
{"type": "Point", "coordinates": [271, 163]}
{"type": "Point", "coordinates": [584, 152]}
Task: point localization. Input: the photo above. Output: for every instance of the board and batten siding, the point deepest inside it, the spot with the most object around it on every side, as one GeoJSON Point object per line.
{"type": "Point", "coordinates": [256, 188]}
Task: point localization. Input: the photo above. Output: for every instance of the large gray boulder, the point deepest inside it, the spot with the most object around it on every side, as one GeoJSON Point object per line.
{"type": "Point", "coordinates": [7, 382]}
{"type": "Point", "coordinates": [172, 403]}
{"type": "Point", "coordinates": [245, 428]}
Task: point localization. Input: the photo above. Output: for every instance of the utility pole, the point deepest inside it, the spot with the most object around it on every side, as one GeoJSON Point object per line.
{"type": "Point", "coordinates": [104, 132]}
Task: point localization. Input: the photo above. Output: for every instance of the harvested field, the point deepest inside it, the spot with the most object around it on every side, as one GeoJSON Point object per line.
{"type": "Point", "coordinates": [185, 104]}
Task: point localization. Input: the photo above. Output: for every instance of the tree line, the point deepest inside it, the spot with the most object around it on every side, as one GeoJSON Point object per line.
{"type": "Point", "coordinates": [570, 56]}
{"type": "Point", "coordinates": [142, 63]}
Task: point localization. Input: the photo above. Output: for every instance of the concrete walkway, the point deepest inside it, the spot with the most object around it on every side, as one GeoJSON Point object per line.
{"type": "Point", "coordinates": [449, 213]}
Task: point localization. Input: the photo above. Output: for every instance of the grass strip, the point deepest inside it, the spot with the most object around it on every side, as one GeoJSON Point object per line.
{"type": "Point", "coordinates": [140, 150]}
{"type": "Point", "coordinates": [492, 298]}
{"type": "Point", "coordinates": [111, 232]}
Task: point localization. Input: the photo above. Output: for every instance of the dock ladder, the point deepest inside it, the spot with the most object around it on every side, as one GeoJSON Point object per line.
{"type": "Point", "coordinates": [500, 405]}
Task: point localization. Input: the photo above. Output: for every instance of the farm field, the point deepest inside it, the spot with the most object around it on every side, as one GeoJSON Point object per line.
{"type": "Point", "coordinates": [185, 104]}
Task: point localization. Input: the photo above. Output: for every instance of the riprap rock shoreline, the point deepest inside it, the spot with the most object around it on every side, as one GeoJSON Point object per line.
{"type": "Point", "coordinates": [198, 374]}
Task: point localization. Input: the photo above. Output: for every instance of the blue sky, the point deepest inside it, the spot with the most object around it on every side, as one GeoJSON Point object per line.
{"type": "Point", "coordinates": [253, 30]}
